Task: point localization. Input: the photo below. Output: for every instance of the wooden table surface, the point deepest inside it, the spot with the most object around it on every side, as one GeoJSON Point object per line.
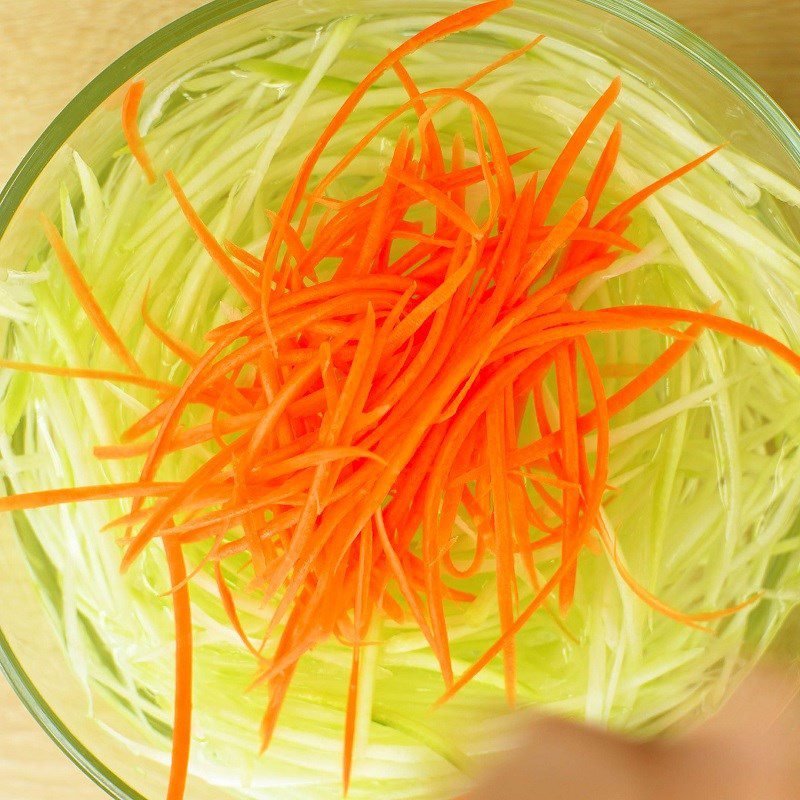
{"type": "Point", "coordinates": [50, 48]}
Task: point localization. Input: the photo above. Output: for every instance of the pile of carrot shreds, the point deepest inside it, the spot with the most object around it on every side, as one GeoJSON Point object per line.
{"type": "Point", "coordinates": [356, 418]}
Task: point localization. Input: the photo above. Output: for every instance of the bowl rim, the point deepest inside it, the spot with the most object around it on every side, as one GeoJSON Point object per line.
{"type": "Point", "coordinates": [179, 32]}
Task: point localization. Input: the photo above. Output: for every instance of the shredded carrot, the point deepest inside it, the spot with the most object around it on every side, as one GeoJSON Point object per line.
{"type": "Point", "coordinates": [440, 200]}
{"type": "Point", "coordinates": [85, 297]}
{"type": "Point", "coordinates": [568, 413]}
{"type": "Point", "coordinates": [496, 445]}
{"type": "Point", "coordinates": [229, 604]}
{"type": "Point", "coordinates": [130, 127]}
{"type": "Point", "coordinates": [244, 257]}
{"type": "Point", "coordinates": [618, 214]}
{"type": "Point", "coordinates": [432, 156]}
{"type": "Point", "coordinates": [603, 170]}
{"type": "Point", "coordinates": [182, 710]}
{"type": "Point", "coordinates": [80, 494]}
{"type": "Point", "coordinates": [559, 234]}
{"type": "Point", "coordinates": [90, 374]}
{"type": "Point", "coordinates": [728, 327]}
{"type": "Point", "coordinates": [569, 155]}
{"type": "Point", "coordinates": [245, 288]}
{"type": "Point", "coordinates": [167, 339]}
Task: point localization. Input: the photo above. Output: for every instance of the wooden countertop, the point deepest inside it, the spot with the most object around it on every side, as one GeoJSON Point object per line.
{"type": "Point", "coordinates": [50, 48]}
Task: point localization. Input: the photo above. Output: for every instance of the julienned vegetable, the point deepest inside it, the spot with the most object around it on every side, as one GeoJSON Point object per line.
{"type": "Point", "coordinates": [408, 424]}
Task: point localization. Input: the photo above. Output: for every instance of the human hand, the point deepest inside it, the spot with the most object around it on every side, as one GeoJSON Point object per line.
{"type": "Point", "coordinates": [749, 751]}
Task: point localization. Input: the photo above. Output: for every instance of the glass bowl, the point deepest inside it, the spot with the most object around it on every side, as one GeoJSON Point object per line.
{"type": "Point", "coordinates": [627, 33]}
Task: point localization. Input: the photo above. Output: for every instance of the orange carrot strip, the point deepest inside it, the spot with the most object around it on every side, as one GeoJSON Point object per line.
{"type": "Point", "coordinates": [432, 155]}
{"type": "Point", "coordinates": [494, 338]}
{"type": "Point", "coordinates": [214, 249]}
{"type": "Point", "coordinates": [292, 238]}
{"type": "Point", "coordinates": [609, 238]}
{"type": "Point", "coordinates": [603, 170]}
{"type": "Point", "coordinates": [315, 458]}
{"type": "Point", "coordinates": [504, 563]}
{"type": "Point", "coordinates": [182, 704]}
{"type": "Point", "coordinates": [434, 588]}
{"type": "Point", "coordinates": [412, 382]}
{"type": "Point", "coordinates": [279, 686]}
{"type": "Point", "coordinates": [80, 494]}
{"type": "Point", "coordinates": [424, 238]}
{"type": "Point", "coordinates": [269, 374]}
{"type": "Point", "coordinates": [338, 287]}
{"type": "Point", "coordinates": [168, 340]}
{"type": "Point", "coordinates": [568, 420]}
{"type": "Point", "coordinates": [534, 605]}
{"type": "Point", "coordinates": [243, 256]}
{"type": "Point", "coordinates": [360, 617]}
{"type": "Point", "coordinates": [196, 481]}
{"type": "Point", "coordinates": [85, 297]}
{"type": "Point", "coordinates": [569, 155]}
{"type": "Point", "coordinates": [90, 374]}
{"type": "Point", "coordinates": [229, 606]}
{"type": "Point", "coordinates": [692, 620]}
{"type": "Point", "coordinates": [182, 439]}
{"type": "Point", "coordinates": [618, 401]}
{"type": "Point", "coordinates": [458, 194]}
{"type": "Point", "coordinates": [560, 233]}
{"type": "Point", "coordinates": [626, 206]}
{"type": "Point", "coordinates": [439, 200]}
{"type": "Point", "coordinates": [400, 576]}
{"type": "Point", "coordinates": [199, 502]}
{"type": "Point", "coordinates": [621, 369]}
{"type": "Point", "coordinates": [434, 300]}
{"type": "Point", "coordinates": [297, 383]}
{"type": "Point", "coordinates": [279, 495]}
{"type": "Point", "coordinates": [517, 498]}
{"type": "Point", "coordinates": [507, 58]}
{"type": "Point", "coordinates": [501, 192]}
{"type": "Point", "coordinates": [446, 453]}
{"type": "Point", "coordinates": [458, 178]}
{"type": "Point", "coordinates": [557, 327]}
{"type": "Point", "coordinates": [130, 128]}
{"type": "Point", "coordinates": [375, 233]}
{"type": "Point", "coordinates": [417, 97]}
{"type": "Point", "coordinates": [169, 413]}
{"type": "Point", "coordinates": [289, 658]}
{"type": "Point", "coordinates": [477, 558]}
{"type": "Point", "coordinates": [599, 480]}
{"type": "Point", "coordinates": [728, 327]}
{"type": "Point", "coordinates": [547, 480]}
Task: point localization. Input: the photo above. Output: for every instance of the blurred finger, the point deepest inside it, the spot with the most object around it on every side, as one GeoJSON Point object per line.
{"type": "Point", "coordinates": [746, 752]}
{"type": "Point", "coordinates": [562, 761]}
